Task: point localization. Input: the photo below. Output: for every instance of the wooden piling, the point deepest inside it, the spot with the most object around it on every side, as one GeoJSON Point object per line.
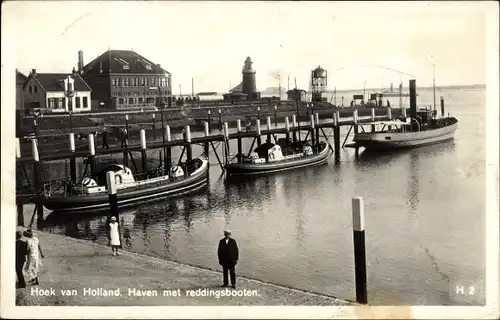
{"type": "Point", "coordinates": [358, 223]}
{"type": "Point", "coordinates": [112, 196]}
{"type": "Point", "coordinates": [72, 159]}
{"type": "Point", "coordinates": [91, 157]}
{"type": "Point", "coordinates": [37, 179]}
{"type": "Point", "coordinates": [373, 118]}
{"type": "Point", "coordinates": [259, 142]}
{"type": "Point", "coordinates": [294, 124]}
{"type": "Point", "coordinates": [275, 115]}
{"type": "Point", "coordinates": [268, 129]}
{"type": "Point", "coordinates": [144, 157]}
{"type": "Point", "coordinates": [389, 116]}
{"type": "Point", "coordinates": [220, 119]}
{"type": "Point", "coordinates": [125, 142]}
{"type": "Point", "coordinates": [311, 121]}
{"type": "Point", "coordinates": [355, 120]}
{"type": "Point", "coordinates": [316, 119]}
{"type": "Point", "coordinates": [226, 141]}
{"type": "Point", "coordinates": [207, 143]}
{"type": "Point", "coordinates": [336, 133]}
{"type": "Point", "coordinates": [189, 147]}
{"type": "Point", "coordinates": [240, 154]}
{"type": "Point", "coordinates": [287, 134]}
{"type": "Point", "coordinates": [154, 127]}
{"type": "Point", "coordinates": [258, 113]}
{"type": "Point", "coordinates": [209, 121]}
{"type": "Point", "coordinates": [19, 204]}
{"type": "Point", "coordinates": [168, 157]}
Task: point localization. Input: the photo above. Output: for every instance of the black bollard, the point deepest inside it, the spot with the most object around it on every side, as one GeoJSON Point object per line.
{"type": "Point", "coordinates": [112, 196]}
{"type": "Point", "coordinates": [442, 107]}
{"type": "Point", "coordinates": [268, 129]}
{"type": "Point", "coordinates": [37, 180]}
{"type": "Point", "coordinates": [258, 113]}
{"type": "Point", "coordinates": [259, 142]}
{"type": "Point", "coordinates": [226, 141]}
{"type": "Point", "coordinates": [355, 120]}
{"type": "Point", "coordinates": [294, 133]}
{"type": "Point", "coordinates": [168, 159]}
{"type": "Point", "coordinates": [336, 133]}
{"type": "Point", "coordinates": [189, 148]}
{"type": "Point", "coordinates": [287, 134]}
{"type": "Point", "coordinates": [209, 122]}
{"type": "Point", "coordinates": [311, 132]}
{"type": "Point", "coordinates": [220, 120]}
{"type": "Point", "coordinates": [317, 127]}
{"type": "Point", "coordinates": [206, 143]}
{"type": "Point", "coordinates": [91, 157]}
{"type": "Point", "coordinates": [358, 223]}
{"type": "Point", "coordinates": [275, 115]}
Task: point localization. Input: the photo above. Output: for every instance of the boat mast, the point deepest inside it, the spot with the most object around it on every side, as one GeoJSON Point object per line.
{"type": "Point", "coordinates": [297, 106]}
{"type": "Point", "coordinates": [434, 86]}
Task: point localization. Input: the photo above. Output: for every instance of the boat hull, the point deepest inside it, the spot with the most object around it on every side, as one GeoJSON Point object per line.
{"type": "Point", "coordinates": [396, 140]}
{"type": "Point", "coordinates": [126, 197]}
{"type": "Point", "coordinates": [246, 169]}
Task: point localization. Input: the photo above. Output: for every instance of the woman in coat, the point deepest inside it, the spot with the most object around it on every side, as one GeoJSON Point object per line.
{"type": "Point", "coordinates": [34, 258]}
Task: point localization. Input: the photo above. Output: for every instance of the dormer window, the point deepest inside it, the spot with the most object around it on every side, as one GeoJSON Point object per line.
{"type": "Point", "coordinates": [123, 63]}
{"type": "Point", "coordinates": [146, 64]}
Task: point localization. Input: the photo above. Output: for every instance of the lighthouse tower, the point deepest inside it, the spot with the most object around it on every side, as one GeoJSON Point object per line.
{"type": "Point", "coordinates": [318, 83]}
{"type": "Point", "coordinates": [248, 85]}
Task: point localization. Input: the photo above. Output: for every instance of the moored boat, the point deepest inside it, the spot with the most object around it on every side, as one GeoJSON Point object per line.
{"type": "Point", "coordinates": [421, 128]}
{"type": "Point", "coordinates": [270, 157]}
{"type": "Point", "coordinates": [91, 194]}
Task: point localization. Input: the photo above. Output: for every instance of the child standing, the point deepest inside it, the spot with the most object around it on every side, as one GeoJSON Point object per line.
{"type": "Point", "coordinates": [114, 236]}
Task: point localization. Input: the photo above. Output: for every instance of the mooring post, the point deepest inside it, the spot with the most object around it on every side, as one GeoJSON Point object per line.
{"type": "Point", "coordinates": [220, 119]}
{"type": "Point", "coordinates": [259, 142]}
{"type": "Point", "coordinates": [268, 129]}
{"type": "Point", "coordinates": [355, 120]}
{"type": "Point", "coordinates": [358, 224]}
{"type": "Point", "coordinates": [275, 115]}
{"type": "Point", "coordinates": [91, 158]}
{"type": "Point", "coordinates": [403, 112]}
{"type": "Point", "coordinates": [240, 154]}
{"type": "Point", "coordinates": [206, 143]}
{"type": "Point", "coordinates": [336, 133]}
{"type": "Point", "coordinates": [144, 157]}
{"type": "Point", "coordinates": [209, 121]}
{"type": "Point", "coordinates": [287, 134]}
{"type": "Point", "coordinates": [226, 141]}
{"type": "Point", "coordinates": [72, 159]}
{"type": "Point", "coordinates": [373, 119]}
{"type": "Point", "coordinates": [442, 106]}
{"type": "Point", "coordinates": [168, 160]}
{"type": "Point", "coordinates": [316, 116]}
{"type": "Point", "coordinates": [154, 127]}
{"type": "Point", "coordinates": [294, 133]}
{"type": "Point", "coordinates": [112, 196]}
{"type": "Point", "coordinates": [19, 204]}
{"type": "Point", "coordinates": [189, 150]}
{"type": "Point", "coordinates": [125, 142]}
{"type": "Point", "coordinates": [313, 138]}
{"type": "Point", "coordinates": [37, 177]}
{"type": "Point", "coordinates": [258, 113]}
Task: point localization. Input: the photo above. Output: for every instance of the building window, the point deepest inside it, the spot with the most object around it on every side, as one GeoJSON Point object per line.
{"type": "Point", "coordinates": [59, 103]}
{"type": "Point", "coordinates": [29, 88]}
{"type": "Point", "coordinates": [120, 101]}
{"type": "Point", "coordinates": [140, 100]}
{"type": "Point", "coordinates": [70, 86]}
{"type": "Point", "coordinates": [142, 82]}
{"type": "Point", "coordinates": [52, 103]}
{"type": "Point", "coordinates": [162, 82]}
{"type": "Point", "coordinates": [113, 82]}
{"type": "Point", "coordinates": [36, 89]}
{"type": "Point", "coordinates": [85, 102]}
{"type": "Point", "coordinates": [153, 81]}
{"type": "Point", "coordinates": [77, 102]}
{"type": "Point", "coordinates": [130, 100]}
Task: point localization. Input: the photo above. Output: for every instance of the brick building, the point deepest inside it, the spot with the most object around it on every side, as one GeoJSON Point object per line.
{"type": "Point", "coordinates": [122, 79]}
{"type": "Point", "coordinates": [56, 92]}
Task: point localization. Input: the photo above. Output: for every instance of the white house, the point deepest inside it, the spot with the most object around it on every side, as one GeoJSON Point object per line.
{"type": "Point", "coordinates": [57, 92]}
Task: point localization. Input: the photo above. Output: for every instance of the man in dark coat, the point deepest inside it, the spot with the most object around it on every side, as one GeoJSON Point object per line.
{"type": "Point", "coordinates": [21, 252]}
{"type": "Point", "coordinates": [228, 257]}
{"type": "Point", "coordinates": [105, 139]}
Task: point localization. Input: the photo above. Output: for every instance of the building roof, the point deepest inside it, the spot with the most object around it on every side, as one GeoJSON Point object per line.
{"type": "Point", "coordinates": [54, 81]}
{"type": "Point", "coordinates": [295, 91]}
{"type": "Point", "coordinates": [238, 88]}
{"type": "Point", "coordinates": [20, 78]}
{"type": "Point", "coordinates": [122, 61]}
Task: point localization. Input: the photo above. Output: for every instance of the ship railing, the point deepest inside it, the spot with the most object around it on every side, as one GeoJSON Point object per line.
{"type": "Point", "coordinates": [63, 187]}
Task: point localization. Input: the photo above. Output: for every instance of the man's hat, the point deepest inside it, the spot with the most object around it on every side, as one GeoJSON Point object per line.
{"type": "Point", "coordinates": [227, 232]}
{"type": "Point", "coordinates": [113, 218]}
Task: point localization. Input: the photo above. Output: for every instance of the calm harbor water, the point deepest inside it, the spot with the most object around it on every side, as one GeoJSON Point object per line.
{"type": "Point", "coordinates": [424, 209]}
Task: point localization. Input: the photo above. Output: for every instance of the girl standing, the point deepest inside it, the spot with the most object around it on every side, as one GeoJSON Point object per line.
{"type": "Point", "coordinates": [114, 236]}
{"type": "Point", "coordinates": [34, 257]}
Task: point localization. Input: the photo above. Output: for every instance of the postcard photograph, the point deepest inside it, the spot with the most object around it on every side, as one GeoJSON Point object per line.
{"type": "Point", "coordinates": [267, 159]}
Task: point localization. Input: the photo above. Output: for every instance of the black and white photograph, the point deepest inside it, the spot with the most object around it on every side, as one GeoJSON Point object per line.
{"type": "Point", "coordinates": [250, 159]}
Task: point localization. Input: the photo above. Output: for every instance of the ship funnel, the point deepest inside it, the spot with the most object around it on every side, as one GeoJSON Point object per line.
{"type": "Point", "coordinates": [413, 99]}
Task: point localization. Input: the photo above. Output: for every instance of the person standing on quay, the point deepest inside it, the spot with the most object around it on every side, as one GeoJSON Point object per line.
{"type": "Point", "coordinates": [21, 252]}
{"type": "Point", "coordinates": [35, 256]}
{"type": "Point", "coordinates": [105, 139]}
{"type": "Point", "coordinates": [228, 257]}
{"type": "Point", "coordinates": [114, 236]}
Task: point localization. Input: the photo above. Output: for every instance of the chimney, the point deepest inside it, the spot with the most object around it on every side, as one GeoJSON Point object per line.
{"type": "Point", "coordinates": [74, 71]}
{"type": "Point", "coordinates": [413, 99]}
{"type": "Point", "coordinates": [80, 60]}
{"type": "Point", "coordinates": [33, 71]}
{"type": "Point", "coordinates": [100, 67]}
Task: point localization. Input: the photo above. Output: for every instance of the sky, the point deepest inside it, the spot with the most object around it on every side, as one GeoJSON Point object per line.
{"type": "Point", "coordinates": [358, 43]}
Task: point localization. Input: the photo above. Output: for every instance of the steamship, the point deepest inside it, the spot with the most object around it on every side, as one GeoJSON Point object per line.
{"type": "Point", "coordinates": [421, 128]}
